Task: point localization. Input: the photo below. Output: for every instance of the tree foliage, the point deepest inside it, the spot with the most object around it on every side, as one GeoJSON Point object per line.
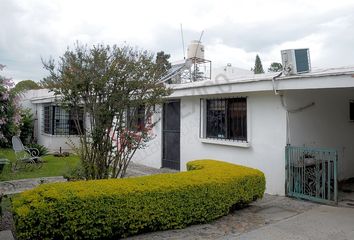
{"type": "Point", "coordinates": [25, 85]}
{"type": "Point", "coordinates": [275, 67]}
{"type": "Point", "coordinates": [162, 62]}
{"type": "Point", "coordinates": [26, 126]}
{"type": "Point", "coordinates": [113, 85]}
{"type": "Point", "coordinates": [10, 118]}
{"type": "Point", "coordinates": [258, 68]}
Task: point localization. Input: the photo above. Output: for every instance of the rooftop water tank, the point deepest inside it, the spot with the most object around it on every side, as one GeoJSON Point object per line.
{"type": "Point", "coordinates": [195, 50]}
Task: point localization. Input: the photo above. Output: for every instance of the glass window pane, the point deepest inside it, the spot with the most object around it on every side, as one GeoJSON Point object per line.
{"type": "Point", "coordinates": [216, 116]}
{"type": "Point", "coordinates": [237, 112]}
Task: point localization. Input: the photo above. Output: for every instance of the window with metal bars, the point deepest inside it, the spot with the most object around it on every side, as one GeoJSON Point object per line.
{"type": "Point", "coordinates": [226, 118]}
{"type": "Point", "coordinates": [57, 121]}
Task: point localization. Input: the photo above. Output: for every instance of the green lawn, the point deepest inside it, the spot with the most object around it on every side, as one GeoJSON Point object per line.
{"type": "Point", "coordinates": [52, 166]}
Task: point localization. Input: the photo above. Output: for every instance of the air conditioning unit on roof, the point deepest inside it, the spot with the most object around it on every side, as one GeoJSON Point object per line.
{"type": "Point", "coordinates": [296, 61]}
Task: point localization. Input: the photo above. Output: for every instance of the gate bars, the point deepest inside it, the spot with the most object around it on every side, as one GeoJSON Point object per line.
{"type": "Point", "coordinates": [311, 173]}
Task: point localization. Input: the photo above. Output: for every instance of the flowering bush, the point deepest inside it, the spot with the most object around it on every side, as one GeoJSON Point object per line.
{"type": "Point", "coordinates": [10, 118]}
{"type": "Point", "coordinates": [117, 88]}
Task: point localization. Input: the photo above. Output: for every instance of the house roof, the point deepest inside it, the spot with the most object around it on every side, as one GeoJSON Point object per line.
{"type": "Point", "coordinates": [39, 96]}
{"type": "Point", "coordinates": [241, 82]}
{"type": "Point", "coordinates": [318, 78]}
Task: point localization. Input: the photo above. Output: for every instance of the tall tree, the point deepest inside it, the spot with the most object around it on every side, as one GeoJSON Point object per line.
{"type": "Point", "coordinates": [275, 67]}
{"type": "Point", "coordinates": [162, 61]}
{"type": "Point", "coordinates": [258, 68]}
{"type": "Point", "coordinates": [118, 88]}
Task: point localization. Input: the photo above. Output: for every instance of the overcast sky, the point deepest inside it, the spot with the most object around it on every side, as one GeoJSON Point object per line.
{"type": "Point", "coordinates": [234, 31]}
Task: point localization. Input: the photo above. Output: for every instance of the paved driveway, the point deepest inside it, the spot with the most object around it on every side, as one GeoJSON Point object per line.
{"type": "Point", "coordinates": [321, 223]}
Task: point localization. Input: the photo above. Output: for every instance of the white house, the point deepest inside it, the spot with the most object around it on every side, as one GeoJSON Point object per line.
{"type": "Point", "coordinates": [312, 109]}
{"type": "Point", "coordinates": [250, 119]}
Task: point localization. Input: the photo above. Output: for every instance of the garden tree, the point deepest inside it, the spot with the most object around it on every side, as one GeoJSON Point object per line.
{"type": "Point", "coordinates": [258, 68]}
{"type": "Point", "coordinates": [26, 126]}
{"type": "Point", "coordinates": [275, 67]}
{"type": "Point", "coordinates": [10, 118]}
{"type": "Point", "coordinates": [118, 88]}
{"type": "Point", "coordinates": [25, 85]}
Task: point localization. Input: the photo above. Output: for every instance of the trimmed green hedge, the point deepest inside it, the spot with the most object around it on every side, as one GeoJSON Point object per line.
{"type": "Point", "coordinates": [109, 209]}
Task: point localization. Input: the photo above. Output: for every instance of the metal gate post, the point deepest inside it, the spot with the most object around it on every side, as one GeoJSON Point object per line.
{"type": "Point", "coordinates": [335, 178]}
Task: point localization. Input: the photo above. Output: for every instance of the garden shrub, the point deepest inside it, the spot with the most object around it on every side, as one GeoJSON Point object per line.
{"type": "Point", "coordinates": [74, 174]}
{"type": "Point", "coordinates": [114, 208]}
{"type": "Point", "coordinates": [42, 150]}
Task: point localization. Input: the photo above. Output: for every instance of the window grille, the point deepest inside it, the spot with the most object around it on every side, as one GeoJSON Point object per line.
{"type": "Point", "coordinates": [58, 121]}
{"type": "Point", "coordinates": [47, 119]}
{"type": "Point", "coordinates": [226, 118]}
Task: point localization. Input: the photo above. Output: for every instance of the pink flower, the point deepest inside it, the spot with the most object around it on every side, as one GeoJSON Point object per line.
{"type": "Point", "coordinates": [5, 96]}
{"type": "Point", "coordinates": [8, 82]}
{"type": "Point", "coordinates": [17, 118]}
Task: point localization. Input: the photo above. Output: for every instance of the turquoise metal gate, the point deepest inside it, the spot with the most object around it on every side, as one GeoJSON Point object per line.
{"type": "Point", "coordinates": [311, 173]}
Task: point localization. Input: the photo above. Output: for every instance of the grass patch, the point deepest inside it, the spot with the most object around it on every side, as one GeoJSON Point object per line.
{"type": "Point", "coordinates": [52, 166]}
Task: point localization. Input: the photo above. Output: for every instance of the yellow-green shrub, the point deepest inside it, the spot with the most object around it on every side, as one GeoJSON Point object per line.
{"type": "Point", "coordinates": [109, 209]}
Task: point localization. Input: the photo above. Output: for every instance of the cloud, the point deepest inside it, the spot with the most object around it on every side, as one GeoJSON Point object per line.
{"type": "Point", "coordinates": [234, 32]}
{"type": "Point", "coordinates": [326, 34]}
{"type": "Point", "coordinates": [24, 39]}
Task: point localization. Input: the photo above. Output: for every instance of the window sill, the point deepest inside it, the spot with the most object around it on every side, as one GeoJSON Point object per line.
{"type": "Point", "coordinates": [226, 142]}
{"type": "Point", "coordinates": [58, 135]}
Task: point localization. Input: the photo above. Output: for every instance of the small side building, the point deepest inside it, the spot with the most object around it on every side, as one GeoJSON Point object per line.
{"type": "Point", "coordinates": [54, 127]}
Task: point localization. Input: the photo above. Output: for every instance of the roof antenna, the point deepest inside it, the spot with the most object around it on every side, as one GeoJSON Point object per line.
{"type": "Point", "coordinates": [200, 38]}
{"type": "Point", "coordinates": [184, 52]}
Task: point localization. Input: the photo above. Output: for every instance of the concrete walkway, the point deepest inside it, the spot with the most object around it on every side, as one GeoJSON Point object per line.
{"type": "Point", "coordinates": [322, 223]}
{"type": "Point", "coordinates": [17, 186]}
{"type": "Point", "coordinates": [6, 235]}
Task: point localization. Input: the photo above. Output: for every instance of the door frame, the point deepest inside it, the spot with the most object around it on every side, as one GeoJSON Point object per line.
{"type": "Point", "coordinates": [162, 129]}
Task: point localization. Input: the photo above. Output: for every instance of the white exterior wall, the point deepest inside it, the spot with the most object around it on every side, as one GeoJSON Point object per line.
{"type": "Point", "coordinates": [326, 124]}
{"type": "Point", "coordinates": [266, 132]}
{"type": "Point", "coordinates": [151, 155]}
